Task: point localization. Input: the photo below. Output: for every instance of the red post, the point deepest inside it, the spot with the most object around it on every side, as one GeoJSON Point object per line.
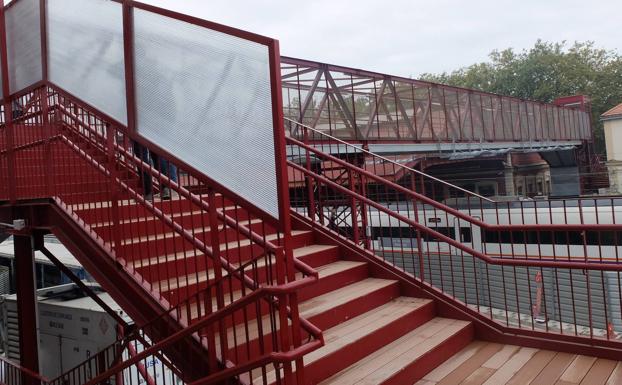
{"type": "Point", "coordinates": [26, 302]}
{"type": "Point", "coordinates": [8, 111]}
{"type": "Point", "coordinates": [114, 197]}
{"type": "Point", "coordinates": [215, 244]}
{"type": "Point", "coordinates": [309, 178]}
{"type": "Point", "coordinates": [413, 186]}
{"type": "Point", "coordinates": [353, 210]}
{"type": "Point", "coordinates": [128, 53]}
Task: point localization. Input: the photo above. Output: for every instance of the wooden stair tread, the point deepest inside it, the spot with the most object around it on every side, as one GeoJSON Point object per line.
{"type": "Point", "coordinates": [121, 202]}
{"type": "Point", "coordinates": [229, 298]}
{"type": "Point", "coordinates": [344, 334]}
{"type": "Point", "coordinates": [384, 363]}
{"type": "Point", "coordinates": [152, 261]}
{"type": "Point", "coordinates": [314, 307]}
{"type": "Point", "coordinates": [301, 251]}
{"type": "Point", "coordinates": [490, 363]}
{"type": "Point", "coordinates": [340, 296]}
{"type": "Point", "coordinates": [270, 237]}
{"type": "Point", "coordinates": [203, 275]}
{"type": "Point", "coordinates": [142, 219]}
{"type": "Point", "coordinates": [172, 234]}
{"type": "Point", "coordinates": [337, 267]}
{"type": "Point", "coordinates": [310, 249]}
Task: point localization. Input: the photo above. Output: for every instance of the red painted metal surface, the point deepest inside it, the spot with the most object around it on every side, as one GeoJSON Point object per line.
{"type": "Point", "coordinates": [484, 254]}
{"type": "Point", "coordinates": [174, 247]}
{"type": "Point", "coordinates": [206, 256]}
{"type": "Point", "coordinates": [364, 106]}
{"type": "Point", "coordinates": [12, 373]}
{"type": "Point", "coordinates": [26, 302]}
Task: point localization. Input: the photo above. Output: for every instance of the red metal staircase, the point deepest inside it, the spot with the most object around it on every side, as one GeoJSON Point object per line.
{"type": "Point", "coordinates": [222, 292]}
{"type": "Point", "coordinates": [200, 266]}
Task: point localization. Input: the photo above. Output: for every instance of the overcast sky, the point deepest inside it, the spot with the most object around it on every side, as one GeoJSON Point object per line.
{"type": "Point", "coordinates": [407, 38]}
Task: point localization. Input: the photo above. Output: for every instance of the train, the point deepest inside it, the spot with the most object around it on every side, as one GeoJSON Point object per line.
{"type": "Point", "coordinates": [387, 233]}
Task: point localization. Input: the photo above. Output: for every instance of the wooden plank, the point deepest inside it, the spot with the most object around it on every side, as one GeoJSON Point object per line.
{"type": "Point", "coordinates": [616, 377]}
{"type": "Point", "coordinates": [471, 365]}
{"type": "Point", "coordinates": [577, 369]}
{"type": "Point", "coordinates": [600, 372]}
{"type": "Point", "coordinates": [342, 335]}
{"type": "Point", "coordinates": [532, 368]}
{"type": "Point", "coordinates": [425, 382]}
{"type": "Point", "coordinates": [478, 377]}
{"type": "Point", "coordinates": [325, 302]}
{"type": "Point", "coordinates": [406, 358]}
{"type": "Point", "coordinates": [378, 359]}
{"type": "Point", "coordinates": [554, 369]}
{"type": "Point", "coordinates": [501, 357]}
{"type": "Point", "coordinates": [452, 363]}
{"type": "Point", "coordinates": [337, 267]}
{"type": "Point", "coordinates": [511, 367]}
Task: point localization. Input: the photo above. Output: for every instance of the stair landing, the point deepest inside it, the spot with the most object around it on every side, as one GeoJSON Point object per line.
{"type": "Point", "coordinates": [495, 364]}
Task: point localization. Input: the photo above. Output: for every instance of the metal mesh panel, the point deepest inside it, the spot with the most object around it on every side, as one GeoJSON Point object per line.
{"type": "Point", "coordinates": [23, 44]}
{"type": "Point", "coordinates": [205, 97]}
{"type": "Point", "coordinates": [85, 49]}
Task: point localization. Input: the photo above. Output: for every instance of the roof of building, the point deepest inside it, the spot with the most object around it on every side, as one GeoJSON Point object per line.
{"type": "Point", "coordinates": [615, 112]}
{"type": "Point", "coordinates": [59, 251]}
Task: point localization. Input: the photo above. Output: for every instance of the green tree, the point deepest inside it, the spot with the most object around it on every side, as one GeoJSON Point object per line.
{"type": "Point", "coordinates": [545, 72]}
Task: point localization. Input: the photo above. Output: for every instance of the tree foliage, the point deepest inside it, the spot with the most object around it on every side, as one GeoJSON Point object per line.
{"type": "Point", "coordinates": [545, 72]}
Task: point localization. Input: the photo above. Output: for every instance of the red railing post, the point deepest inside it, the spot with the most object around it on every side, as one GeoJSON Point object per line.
{"type": "Point", "coordinates": [280, 260]}
{"type": "Point", "coordinates": [309, 178]}
{"type": "Point", "coordinates": [364, 220]}
{"type": "Point", "coordinates": [114, 197]}
{"type": "Point", "coordinates": [215, 245]}
{"type": "Point", "coordinates": [49, 132]}
{"type": "Point", "coordinates": [413, 186]}
{"type": "Point", "coordinates": [8, 111]}
{"type": "Point", "coordinates": [353, 211]}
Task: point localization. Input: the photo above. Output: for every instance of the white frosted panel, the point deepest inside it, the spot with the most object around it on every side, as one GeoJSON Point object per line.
{"type": "Point", "coordinates": [205, 97]}
{"type": "Point", "coordinates": [23, 34]}
{"type": "Point", "coordinates": [85, 52]}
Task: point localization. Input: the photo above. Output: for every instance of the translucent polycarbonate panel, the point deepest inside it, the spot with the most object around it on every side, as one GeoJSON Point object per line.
{"type": "Point", "coordinates": [205, 97]}
{"type": "Point", "coordinates": [23, 34]}
{"type": "Point", "coordinates": [85, 52]}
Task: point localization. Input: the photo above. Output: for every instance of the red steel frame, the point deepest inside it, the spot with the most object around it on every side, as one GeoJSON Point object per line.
{"type": "Point", "coordinates": [364, 106]}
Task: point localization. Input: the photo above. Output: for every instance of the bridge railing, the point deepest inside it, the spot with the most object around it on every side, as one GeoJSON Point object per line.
{"type": "Point", "coordinates": [528, 268]}
{"type": "Point", "coordinates": [360, 105]}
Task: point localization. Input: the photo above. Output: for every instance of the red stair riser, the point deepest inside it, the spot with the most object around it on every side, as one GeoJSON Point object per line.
{"type": "Point", "coordinates": [174, 296]}
{"type": "Point", "coordinates": [175, 243]}
{"type": "Point", "coordinates": [190, 262]}
{"type": "Point", "coordinates": [320, 258]}
{"type": "Point", "coordinates": [356, 307]}
{"type": "Point", "coordinates": [152, 225]}
{"type": "Point", "coordinates": [333, 282]}
{"type": "Point", "coordinates": [134, 210]}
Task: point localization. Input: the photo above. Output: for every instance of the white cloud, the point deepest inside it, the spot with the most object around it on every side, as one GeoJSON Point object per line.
{"type": "Point", "coordinates": [407, 38]}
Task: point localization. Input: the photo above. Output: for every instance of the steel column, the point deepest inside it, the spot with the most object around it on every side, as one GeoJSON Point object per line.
{"type": "Point", "coordinates": [26, 302]}
{"type": "Point", "coordinates": [128, 52]}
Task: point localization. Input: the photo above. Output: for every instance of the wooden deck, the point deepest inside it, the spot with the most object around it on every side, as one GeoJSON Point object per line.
{"type": "Point", "coordinates": [494, 364]}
